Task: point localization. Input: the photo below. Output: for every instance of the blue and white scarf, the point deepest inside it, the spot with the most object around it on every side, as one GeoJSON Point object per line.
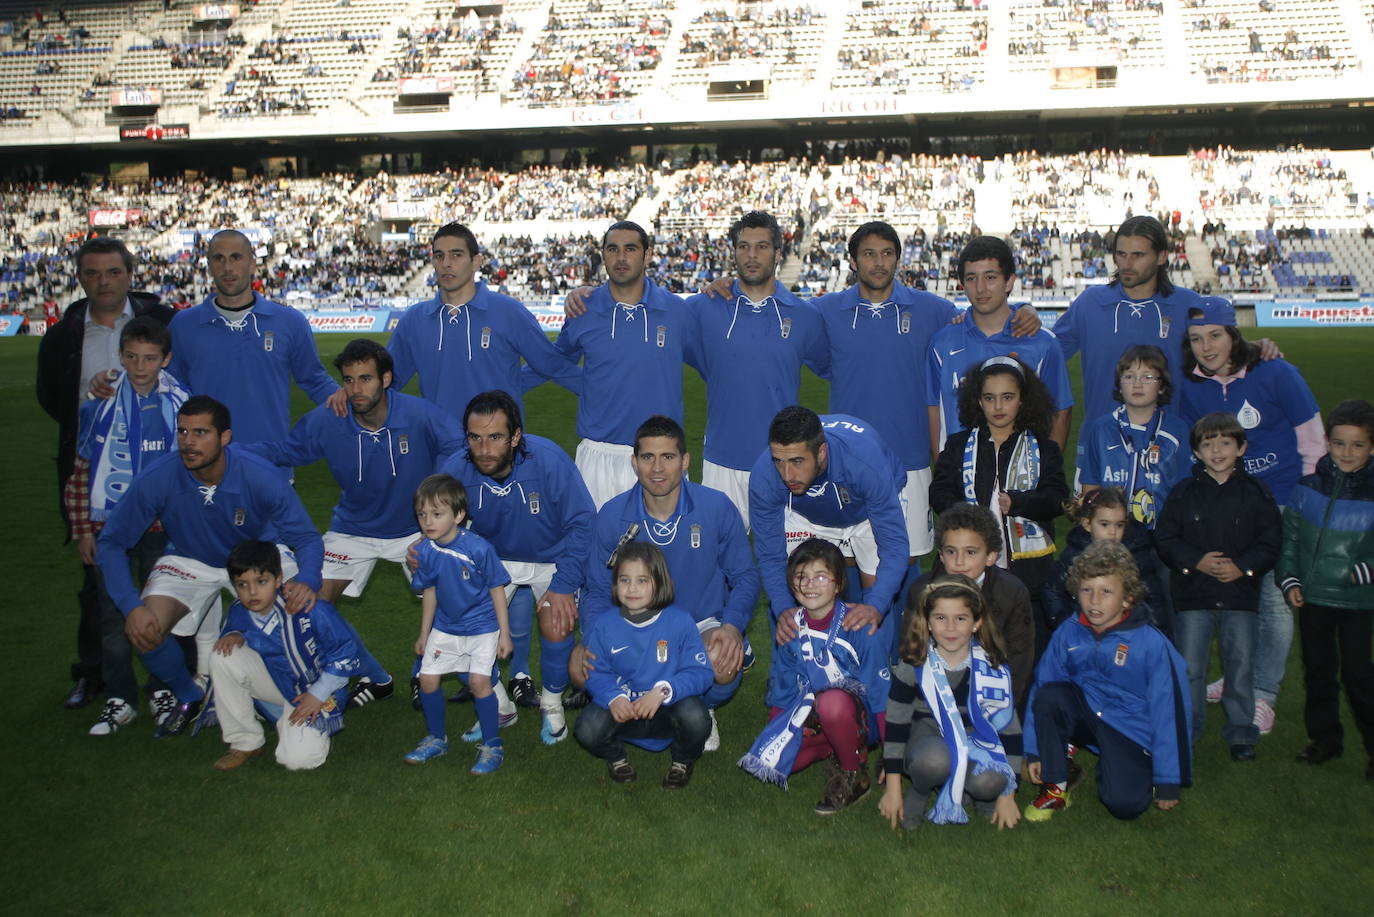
{"type": "Point", "coordinates": [773, 753]}
{"type": "Point", "coordinates": [990, 711]}
{"type": "Point", "coordinates": [1025, 538]}
{"type": "Point", "coordinates": [114, 442]}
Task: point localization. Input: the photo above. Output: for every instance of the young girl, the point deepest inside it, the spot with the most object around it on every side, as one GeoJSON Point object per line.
{"type": "Point", "coordinates": [1006, 461]}
{"type": "Point", "coordinates": [827, 687]}
{"type": "Point", "coordinates": [951, 723]}
{"type": "Point", "coordinates": [650, 672]}
{"type": "Point", "coordinates": [1142, 446]}
{"type": "Point", "coordinates": [1104, 515]}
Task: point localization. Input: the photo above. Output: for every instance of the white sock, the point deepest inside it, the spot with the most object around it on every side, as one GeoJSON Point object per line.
{"type": "Point", "coordinates": [551, 705]}
{"type": "Point", "coordinates": [503, 701]}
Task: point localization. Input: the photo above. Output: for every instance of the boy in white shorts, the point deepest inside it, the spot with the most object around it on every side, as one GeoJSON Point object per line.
{"type": "Point", "coordinates": [464, 625]}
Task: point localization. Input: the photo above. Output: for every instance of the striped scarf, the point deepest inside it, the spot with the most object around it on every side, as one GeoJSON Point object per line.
{"type": "Point", "coordinates": [1024, 537]}
{"type": "Point", "coordinates": [114, 442]}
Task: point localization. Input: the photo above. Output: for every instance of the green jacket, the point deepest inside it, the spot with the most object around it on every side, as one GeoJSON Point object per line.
{"type": "Point", "coordinates": [1328, 538]}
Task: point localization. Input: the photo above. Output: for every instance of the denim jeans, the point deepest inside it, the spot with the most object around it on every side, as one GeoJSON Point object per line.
{"type": "Point", "coordinates": [1274, 641]}
{"type": "Point", "coordinates": [685, 722]}
{"type": "Point", "coordinates": [1237, 633]}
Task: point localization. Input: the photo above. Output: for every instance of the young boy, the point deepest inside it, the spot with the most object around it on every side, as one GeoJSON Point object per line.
{"type": "Point", "coordinates": [1219, 534]}
{"type": "Point", "coordinates": [1111, 682]}
{"type": "Point", "coordinates": [968, 541]}
{"type": "Point", "coordinates": [292, 668]}
{"type": "Point", "coordinates": [1324, 570]}
{"type": "Point", "coordinates": [117, 438]}
{"type": "Point", "coordinates": [464, 624]}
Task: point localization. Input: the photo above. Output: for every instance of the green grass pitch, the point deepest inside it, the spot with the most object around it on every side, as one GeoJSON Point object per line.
{"type": "Point", "coordinates": [129, 825]}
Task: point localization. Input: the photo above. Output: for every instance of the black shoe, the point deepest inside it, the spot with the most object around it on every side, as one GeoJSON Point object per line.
{"type": "Point", "coordinates": [81, 694]}
{"type": "Point", "coordinates": [622, 771]}
{"type": "Point", "coordinates": [1076, 776]}
{"type": "Point", "coordinates": [1319, 753]}
{"type": "Point", "coordinates": [415, 691]}
{"type": "Point", "coordinates": [523, 693]}
{"type": "Point", "coordinates": [461, 696]}
{"type": "Point", "coordinates": [365, 692]}
{"type": "Point", "coordinates": [181, 718]}
{"type": "Point", "coordinates": [678, 776]}
{"type": "Point", "coordinates": [576, 700]}
{"type": "Point", "coordinates": [1369, 771]}
{"type": "Point", "coordinates": [1242, 752]}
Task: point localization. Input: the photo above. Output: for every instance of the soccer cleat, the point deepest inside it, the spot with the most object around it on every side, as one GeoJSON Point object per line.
{"type": "Point", "coordinates": [233, 759]}
{"type": "Point", "coordinates": [678, 776]}
{"type": "Point", "coordinates": [182, 717]}
{"type": "Point", "coordinates": [577, 699]}
{"type": "Point", "coordinates": [1264, 717]}
{"type": "Point", "coordinates": [622, 771]}
{"type": "Point", "coordinates": [553, 726]}
{"type": "Point", "coordinates": [489, 759]}
{"type": "Point", "coordinates": [475, 733]}
{"type": "Point", "coordinates": [461, 696]}
{"type": "Point", "coordinates": [365, 692]}
{"type": "Point", "coordinates": [843, 789]}
{"type": "Point", "coordinates": [1215, 690]}
{"type": "Point", "coordinates": [712, 740]}
{"type": "Point", "coordinates": [522, 691]}
{"type": "Point", "coordinates": [160, 704]}
{"type": "Point", "coordinates": [116, 713]}
{"type": "Point", "coordinates": [415, 691]}
{"type": "Point", "coordinates": [429, 747]}
{"type": "Point", "coordinates": [82, 693]}
{"type": "Point", "coordinates": [1050, 800]}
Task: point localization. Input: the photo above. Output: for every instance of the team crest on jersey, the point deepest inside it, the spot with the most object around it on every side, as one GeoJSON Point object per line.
{"type": "Point", "coordinates": [467, 574]}
{"type": "Point", "coordinates": [239, 515]}
{"type": "Point", "coordinates": [844, 494]}
{"type": "Point", "coordinates": [905, 322]}
{"type": "Point", "coordinates": [267, 342]}
{"type": "Point", "coordinates": [1121, 651]}
{"type": "Point", "coordinates": [662, 335]}
{"type": "Point", "coordinates": [1164, 325]}
{"type": "Point", "coordinates": [661, 653]}
{"type": "Point", "coordinates": [403, 442]}
{"type": "Point", "coordinates": [486, 338]}
{"type": "Point", "coordinates": [696, 535]}
{"type": "Point", "coordinates": [534, 504]}
{"type": "Point", "coordinates": [786, 328]}
{"type": "Point", "coordinates": [1247, 416]}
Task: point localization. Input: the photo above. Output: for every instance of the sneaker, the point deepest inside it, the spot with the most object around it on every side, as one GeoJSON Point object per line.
{"type": "Point", "coordinates": [1264, 717]}
{"type": "Point", "coordinates": [522, 691]}
{"type": "Point", "coordinates": [365, 692]}
{"type": "Point", "coordinates": [678, 776]}
{"type": "Point", "coordinates": [115, 714]}
{"type": "Point", "coordinates": [843, 790]}
{"type": "Point", "coordinates": [475, 733]}
{"type": "Point", "coordinates": [1215, 690]}
{"type": "Point", "coordinates": [622, 771]}
{"type": "Point", "coordinates": [182, 717]}
{"type": "Point", "coordinates": [1050, 800]}
{"type": "Point", "coordinates": [233, 759]}
{"type": "Point", "coordinates": [461, 696]}
{"type": "Point", "coordinates": [712, 740]}
{"type": "Point", "coordinates": [577, 699]}
{"type": "Point", "coordinates": [553, 727]}
{"type": "Point", "coordinates": [415, 692]}
{"type": "Point", "coordinates": [83, 691]}
{"type": "Point", "coordinates": [1242, 753]}
{"type": "Point", "coordinates": [489, 759]}
{"type": "Point", "coordinates": [161, 704]}
{"type": "Point", "coordinates": [429, 747]}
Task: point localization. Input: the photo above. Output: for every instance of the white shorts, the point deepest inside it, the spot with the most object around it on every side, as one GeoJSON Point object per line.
{"type": "Point", "coordinates": [352, 557]}
{"type": "Point", "coordinates": [920, 527]}
{"type": "Point", "coordinates": [536, 576]}
{"type": "Point", "coordinates": [730, 481]}
{"type": "Point", "coordinates": [854, 541]}
{"type": "Point", "coordinates": [606, 469]}
{"type": "Point", "coordinates": [197, 585]}
{"type": "Point", "coordinates": [447, 653]}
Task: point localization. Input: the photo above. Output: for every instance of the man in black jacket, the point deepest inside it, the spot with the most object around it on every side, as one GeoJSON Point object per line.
{"type": "Point", "coordinates": [85, 343]}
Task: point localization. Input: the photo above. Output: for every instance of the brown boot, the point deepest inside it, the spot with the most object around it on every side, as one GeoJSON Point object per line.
{"type": "Point", "coordinates": [844, 789]}
{"type": "Point", "coordinates": [234, 759]}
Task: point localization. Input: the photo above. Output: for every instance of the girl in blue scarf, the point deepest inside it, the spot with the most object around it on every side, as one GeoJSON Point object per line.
{"type": "Point", "coordinates": [951, 723]}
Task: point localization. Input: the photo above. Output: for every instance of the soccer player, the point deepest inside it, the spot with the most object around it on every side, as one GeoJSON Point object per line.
{"type": "Point", "coordinates": [750, 349]}
{"type": "Point", "coordinates": [702, 536]}
{"type": "Point", "coordinates": [527, 499]}
{"type": "Point", "coordinates": [83, 346]}
{"type": "Point", "coordinates": [631, 340]}
{"type": "Point", "coordinates": [468, 339]}
{"type": "Point", "coordinates": [833, 478]}
{"type": "Point", "coordinates": [987, 271]}
{"type": "Point", "coordinates": [379, 454]}
{"type": "Point", "coordinates": [209, 497]}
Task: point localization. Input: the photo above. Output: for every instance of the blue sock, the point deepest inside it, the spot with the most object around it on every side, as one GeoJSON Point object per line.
{"type": "Point", "coordinates": [553, 662]}
{"type": "Point", "coordinates": [370, 668]}
{"type": "Point", "coordinates": [432, 703]}
{"type": "Point", "coordinates": [168, 663]}
{"type": "Point", "coordinates": [521, 629]}
{"type": "Point", "coordinates": [415, 669]}
{"type": "Point", "coordinates": [489, 718]}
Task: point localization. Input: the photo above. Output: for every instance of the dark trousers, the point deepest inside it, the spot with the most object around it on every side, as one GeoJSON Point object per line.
{"type": "Point", "coordinates": [1337, 641]}
{"type": "Point", "coordinates": [114, 657]}
{"type": "Point", "coordinates": [1125, 776]}
{"type": "Point", "coordinates": [685, 723]}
